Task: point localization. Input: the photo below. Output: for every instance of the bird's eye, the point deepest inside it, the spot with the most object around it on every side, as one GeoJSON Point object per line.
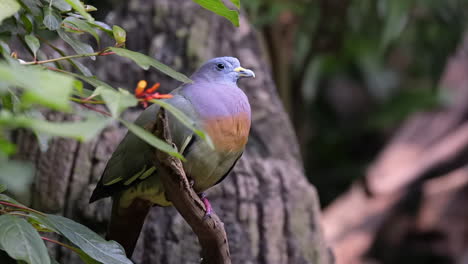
{"type": "Point", "coordinates": [220, 66]}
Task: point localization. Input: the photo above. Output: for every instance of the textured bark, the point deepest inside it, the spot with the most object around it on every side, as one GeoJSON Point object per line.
{"type": "Point", "coordinates": [208, 228]}
{"type": "Point", "coordinates": [412, 209]}
{"type": "Point", "coordinates": [270, 211]}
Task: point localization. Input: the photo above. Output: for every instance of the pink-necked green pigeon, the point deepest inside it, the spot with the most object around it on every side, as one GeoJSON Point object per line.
{"type": "Point", "coordinates": [218, 106]}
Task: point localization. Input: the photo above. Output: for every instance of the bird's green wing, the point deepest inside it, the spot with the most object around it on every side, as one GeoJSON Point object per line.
{"type": "Point", "coordinates": [132, 161]}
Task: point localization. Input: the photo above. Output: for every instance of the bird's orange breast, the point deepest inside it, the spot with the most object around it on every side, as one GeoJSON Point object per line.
{"type": "Point", "coordinates": [229, 133]}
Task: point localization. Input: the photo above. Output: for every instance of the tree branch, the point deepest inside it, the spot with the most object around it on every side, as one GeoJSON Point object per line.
{"type": "Point", "coordinates": [209, 230]}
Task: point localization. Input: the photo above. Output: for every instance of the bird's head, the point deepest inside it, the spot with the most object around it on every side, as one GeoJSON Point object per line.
{"type": "Point", "coordinates": [222, 69]}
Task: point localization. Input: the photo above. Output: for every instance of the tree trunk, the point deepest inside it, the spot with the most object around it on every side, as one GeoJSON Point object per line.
{"type": "Point", "coordinates": [270, 211]}
{"type": "Point", "coordinates": [412, 209]}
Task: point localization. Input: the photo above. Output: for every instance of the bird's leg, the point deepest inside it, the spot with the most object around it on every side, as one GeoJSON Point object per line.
{"type": "Point", "coordinates": [207, 204]}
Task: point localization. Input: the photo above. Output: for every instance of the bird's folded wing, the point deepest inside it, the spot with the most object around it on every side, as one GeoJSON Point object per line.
{"type": "Point", "coordinates": [132, 161]}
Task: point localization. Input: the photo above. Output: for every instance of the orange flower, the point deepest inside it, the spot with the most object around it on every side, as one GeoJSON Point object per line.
{"type": "Point", "coordinates": [144, 95]}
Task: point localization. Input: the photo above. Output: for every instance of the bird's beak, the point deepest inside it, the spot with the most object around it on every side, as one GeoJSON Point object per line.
{"type": "Point", "coordinates": [244, 72]}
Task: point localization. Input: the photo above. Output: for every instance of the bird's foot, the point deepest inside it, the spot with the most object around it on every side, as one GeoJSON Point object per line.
{"type": "Point", "coordinates": [207, 204]}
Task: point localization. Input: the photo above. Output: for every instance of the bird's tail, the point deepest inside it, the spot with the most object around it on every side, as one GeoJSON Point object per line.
{"type": "Point", "coordinates": [126, 223]}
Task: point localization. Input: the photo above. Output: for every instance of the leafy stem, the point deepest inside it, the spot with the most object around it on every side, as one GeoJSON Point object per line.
{"type": "Point", "coordinates": [73, 28]}
{"type": "Point", "coordinates": [21, 207]}
{"type": "Point", "coordinates": [18, 214]}
{"type": "Point", "coordinates": [99, 53]}
{"type": "Point", "coordinates": [84, 101]}
{"type": "Point", "coordinates": [96, 110]}
{"type": "Point", "coordinates": [60, 243]}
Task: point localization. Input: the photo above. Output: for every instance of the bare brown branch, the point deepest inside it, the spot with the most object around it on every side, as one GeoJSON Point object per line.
{"type": "Point", "coordinates": [209, 230]}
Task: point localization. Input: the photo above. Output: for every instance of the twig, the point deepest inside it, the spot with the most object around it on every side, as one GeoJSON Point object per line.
{"type": "Point", "coordinates": [99, 53]}
{"type": "Point", "coordinates": [210, 230]}
{"type": "Point", "coordinates": [73, 28]}
{"type": "Point", "coordinates": [85, 101]}
{"type": "Point", "coordinates": [20, 207]}
{"type": "Point", "coordinates": [61, 244]}
{"type": "Point", "coordinates": [19, 214]}
{"type": "Point", "coordinates": [96, 110]}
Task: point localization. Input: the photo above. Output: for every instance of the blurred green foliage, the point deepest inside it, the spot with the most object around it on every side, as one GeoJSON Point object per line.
{"type": "Point", "coordinates": [384, 63]}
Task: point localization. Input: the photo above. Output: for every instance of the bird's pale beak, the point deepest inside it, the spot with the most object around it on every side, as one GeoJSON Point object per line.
{"type": "Point", "coordinates": [244, 72]}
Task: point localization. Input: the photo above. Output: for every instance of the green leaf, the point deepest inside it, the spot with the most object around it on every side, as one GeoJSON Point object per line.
{"type": "Point", "coordinates": [86, 258]}
{"type": "Point", "coordinates": [151, 139]}
{"type": "Point", "coordinates": [396, 20]}
{"type": "Point", "coordinates": [78, 86]}
{"type": "Point", "coordinates": [90, 8]}
{"type": "Point", "coordinates": [78, 65]}
{"type": "Point", "coordinates": [78, 6]}
{"type": "Point", "coordinates": [17, 175]}
{"type": "Point", "coordinates": [119, 34]}
{"type": "Point", "coordinates": [3, 89]}
{"type": "Point", "coordinates": [37, 222]}
{"type": "Point", "coordinates": [145, 62]}
{"type": "Point", "coordinates": [8, 8]}
{"type": "Point", "coordinates": [91, 80]}
{"type": "Point", "coordinates": [4, 48]}
{"type": "Point", "coordinates": [21, 241]}
{"type": "Point", "coordinates": [7, 102]}
{"type": "Point", "coordinates": [52, 19]}
{"type": "Point", "coordinates": [236, 3]}
{"type": "Point", "coordinates": [82, 25]}
{"type": "Point", "coordinates": [102, 26]}
{"type": "Point", "coordinates": [10, 27]}
{"type": "Point", "coordinates": [83, 69]}
{"type": "Point", "coordinates": [90, 242]}
{"type": "Point", "coordinates": [80, 130]}
{"type": "Point", "coordinates": [33, 43]}
{"type": "Point", "coordinates": [44, 87]}
{"type": "Point", "coordinates": [28, 24]}
{"type": "Point", "coordinates": [61, 5]}
{"type": "Point", "coordinates": [78, 46]}
{"type": "Point", "coordinates": [218, 7]}
{"type": "Point", "coordinates": [2, 188]}
{"type": "Point", "coordinates": [184, 119]}
{"type": "Point", "coordinates": [6, 146]}
{"type": "Point", "coordinates": [42, 139]}
{"type": "Point", "coordinates": [32, 7]}
{"type": "Point", "coordinates": [116, 101]}
{"type": "Point", "coordinates": [83, 92]}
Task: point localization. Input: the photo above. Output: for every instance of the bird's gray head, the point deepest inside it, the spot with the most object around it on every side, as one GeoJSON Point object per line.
{"type": "Point", "coordinates": [222, 69]}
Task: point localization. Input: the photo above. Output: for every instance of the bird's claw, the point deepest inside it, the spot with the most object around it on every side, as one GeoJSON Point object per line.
{"type": "Point", "coordinates": [208, 208]}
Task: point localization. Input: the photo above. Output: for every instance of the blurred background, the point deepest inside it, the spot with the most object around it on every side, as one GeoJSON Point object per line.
{"type": "Point", "coordinates": [377, 92]}
{"type": "Point", "coordinates": [349, 72]}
